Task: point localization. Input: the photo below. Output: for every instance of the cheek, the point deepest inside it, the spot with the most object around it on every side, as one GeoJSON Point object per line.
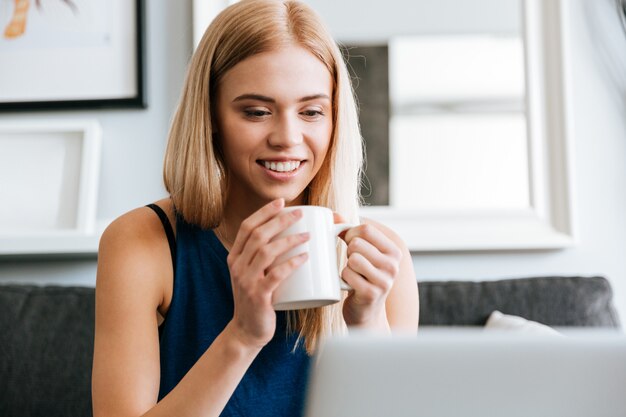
{"type": "Point", "coordinates": [324, 137]}
{"type": "Point", "coordinates": [238, 137]}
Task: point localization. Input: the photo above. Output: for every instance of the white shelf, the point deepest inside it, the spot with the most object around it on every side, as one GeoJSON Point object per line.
{"type": "Point", "coordinates": [52, 243]}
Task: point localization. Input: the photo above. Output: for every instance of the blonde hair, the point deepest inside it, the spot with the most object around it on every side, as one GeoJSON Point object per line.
{"type": "Point", "coordinates": [194, 171]}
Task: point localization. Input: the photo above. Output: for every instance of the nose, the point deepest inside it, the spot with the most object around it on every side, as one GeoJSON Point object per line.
{"type": "Point", "coordinates": [286, 132]}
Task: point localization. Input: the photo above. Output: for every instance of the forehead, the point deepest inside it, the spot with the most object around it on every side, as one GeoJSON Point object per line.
{"type": "Point", "coordinates": [289, 72]}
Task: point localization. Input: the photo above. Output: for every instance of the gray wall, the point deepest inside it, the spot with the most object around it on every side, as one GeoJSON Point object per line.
{"type": "Point", "coordinates": [134, 142]}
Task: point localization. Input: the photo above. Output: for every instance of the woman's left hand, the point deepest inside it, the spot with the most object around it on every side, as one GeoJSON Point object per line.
{"type": "Point", "coordinates": [373, 264]}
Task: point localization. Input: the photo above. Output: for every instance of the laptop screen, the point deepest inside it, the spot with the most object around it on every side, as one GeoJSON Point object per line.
{"type": "Point", "coordinates": [461, 373]}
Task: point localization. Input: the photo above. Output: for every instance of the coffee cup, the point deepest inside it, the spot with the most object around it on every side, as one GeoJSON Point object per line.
{"type": "Point", "coordinates": [317, 281]}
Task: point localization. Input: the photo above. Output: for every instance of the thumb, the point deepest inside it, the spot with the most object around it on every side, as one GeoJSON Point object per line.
{"type": "Point", "coordinates": [338, 218]}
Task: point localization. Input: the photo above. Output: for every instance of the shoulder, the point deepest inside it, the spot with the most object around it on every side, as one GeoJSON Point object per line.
{"type": "Point", "coordinates": [138, 228]}
{"type": "Point", "coordinates": [142, 225]}
{"type": "Point", "coordinates": [134, 252]}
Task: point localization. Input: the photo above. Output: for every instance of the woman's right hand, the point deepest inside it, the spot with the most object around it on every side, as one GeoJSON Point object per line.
{"type": "Point", "coordinates": [254, 274]}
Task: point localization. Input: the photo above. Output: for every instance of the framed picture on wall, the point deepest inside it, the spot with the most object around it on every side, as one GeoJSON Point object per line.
{"type": "Point", "coordinates": [71, 54]}
{"type": "Point", "coordinates": [49, 171]}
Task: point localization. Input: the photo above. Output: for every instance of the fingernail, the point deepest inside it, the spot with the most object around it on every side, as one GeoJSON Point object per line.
{"type": "Point", "coordinates": [297, 213]}
{"type": "Point", "coordinates": [305, 235]}
{"type": "Point", "coordinates": [278, 203]}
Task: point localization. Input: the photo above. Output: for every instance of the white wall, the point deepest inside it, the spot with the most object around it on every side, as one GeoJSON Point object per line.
{"type": "Point", "coordinates": [134, 142]}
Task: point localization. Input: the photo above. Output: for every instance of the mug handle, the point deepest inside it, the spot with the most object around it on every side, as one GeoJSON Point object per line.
{"type": "Point", "coordinates": [338, 228]}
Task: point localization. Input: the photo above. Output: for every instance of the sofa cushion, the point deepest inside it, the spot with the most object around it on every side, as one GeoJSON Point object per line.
{"type": "Point", "coordinates": [46, 350]}
{"type": "Point", "coordinates": [554, 301]}
{"type": "Point", "coordinates": [506, 322]}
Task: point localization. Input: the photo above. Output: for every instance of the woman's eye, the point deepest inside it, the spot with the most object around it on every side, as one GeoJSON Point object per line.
{"type": "Point", "coordinates": [256, 113]}
{"type": "Point", "coordinates": [312, 113]}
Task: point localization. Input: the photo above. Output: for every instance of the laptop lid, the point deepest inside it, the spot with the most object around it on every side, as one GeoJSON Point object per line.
{"type": "Point", "coordinates": [463, 373]}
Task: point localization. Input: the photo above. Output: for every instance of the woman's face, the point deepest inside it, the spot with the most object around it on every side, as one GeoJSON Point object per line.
{"type": "Point", "coordinates": [274, 123]}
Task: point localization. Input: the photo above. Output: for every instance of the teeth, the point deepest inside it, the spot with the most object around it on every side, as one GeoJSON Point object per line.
{"type": "Point", "coordinates": [282, 166]}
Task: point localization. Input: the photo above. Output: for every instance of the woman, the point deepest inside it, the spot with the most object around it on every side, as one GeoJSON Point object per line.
{"type": "Point", "coordinates": [184, 321]}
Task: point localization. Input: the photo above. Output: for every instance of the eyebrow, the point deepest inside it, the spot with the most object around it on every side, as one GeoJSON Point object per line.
{"type": "Point", "coordinates": [267, 99]}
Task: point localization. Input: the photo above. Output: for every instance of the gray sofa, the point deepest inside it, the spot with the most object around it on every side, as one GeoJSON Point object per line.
{"type": "Point", "coordinates": [555, 301]}
{"type": "Point", "coordinates": [46, 333]}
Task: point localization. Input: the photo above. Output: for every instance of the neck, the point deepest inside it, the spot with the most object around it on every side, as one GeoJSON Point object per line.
{"type": "Point", "coordinates": [227, 230]}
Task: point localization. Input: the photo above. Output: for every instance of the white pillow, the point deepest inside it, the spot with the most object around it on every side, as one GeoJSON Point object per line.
{"type": "Point", "coordinates": [500, 321]}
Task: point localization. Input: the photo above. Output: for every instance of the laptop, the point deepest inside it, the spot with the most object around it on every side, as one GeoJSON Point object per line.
{"type": "Point", "coordinates": [463, 373]}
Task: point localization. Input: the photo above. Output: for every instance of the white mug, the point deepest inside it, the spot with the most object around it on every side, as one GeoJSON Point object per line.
{"type": "Point", "coordinates": [316, 282]}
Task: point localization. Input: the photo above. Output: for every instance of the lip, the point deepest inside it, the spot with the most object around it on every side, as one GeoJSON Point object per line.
{"type": "Point", "coordinates": [281, 159]}
{"type": "Point", "coordinates": [280, 176]}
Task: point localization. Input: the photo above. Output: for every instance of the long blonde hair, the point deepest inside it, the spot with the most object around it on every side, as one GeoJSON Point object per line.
{"type": "Point", "coordinates": [194, 172]}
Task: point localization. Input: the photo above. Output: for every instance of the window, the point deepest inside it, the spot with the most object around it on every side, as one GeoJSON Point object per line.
{"type": "Point", "coordinates": [458, 135]}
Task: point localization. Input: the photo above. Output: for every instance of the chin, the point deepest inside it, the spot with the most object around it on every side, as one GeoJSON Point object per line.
{"type": "Point", "coordinates": [291, 199]}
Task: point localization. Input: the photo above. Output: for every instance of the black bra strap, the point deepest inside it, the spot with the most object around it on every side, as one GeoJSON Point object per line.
{"type": "Point", "coordinates": [169, 232]}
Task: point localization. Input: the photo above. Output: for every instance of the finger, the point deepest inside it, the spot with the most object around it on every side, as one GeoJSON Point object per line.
{"type": "Point", "coordinates": [259, 217]}
{"type": "Point", "coordinates": [280, 272]}
{"type": "Point", "coordinates": [266, 233]}
{"type": "Point", "coordinates": [376, 237]}
{"type": "Point", "coordinates": [362, 289]}
{"type": "Point", "coordinates": [360, 265]}
{"type": "Point", "coordinates": [380, 261]}
{"type": "Point", "coordinates": [268, 254]}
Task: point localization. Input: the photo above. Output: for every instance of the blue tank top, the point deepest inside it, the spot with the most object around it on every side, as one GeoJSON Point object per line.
{"type": "Point", "coordinates": [202, 305]}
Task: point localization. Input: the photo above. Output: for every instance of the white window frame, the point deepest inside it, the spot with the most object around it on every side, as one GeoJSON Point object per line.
{"type": "Point", "coordinates": [549, 222]}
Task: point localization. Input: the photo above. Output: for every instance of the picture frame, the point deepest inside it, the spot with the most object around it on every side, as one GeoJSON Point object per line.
{"type": "Point", "coordinates": [72, 54]}
{"type": "Point", "coordinates": [57, 163]}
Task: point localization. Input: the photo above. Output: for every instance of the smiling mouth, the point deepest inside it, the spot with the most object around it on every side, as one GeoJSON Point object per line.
{"type": "Point", "coordinates": [281, 166]}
